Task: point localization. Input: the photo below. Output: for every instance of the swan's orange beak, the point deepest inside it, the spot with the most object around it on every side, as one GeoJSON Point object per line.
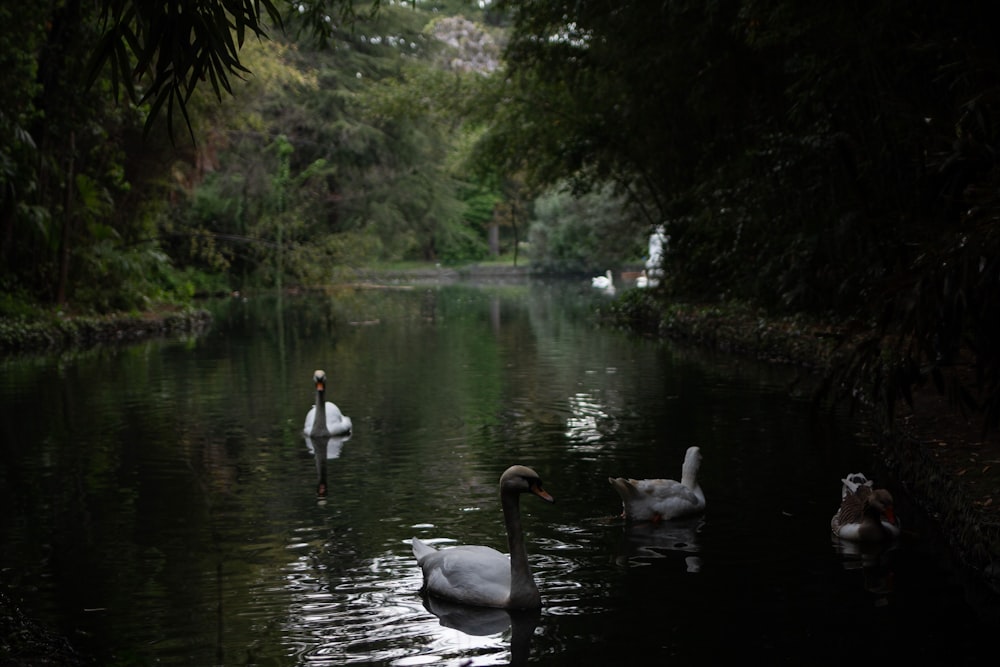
{"type": "Point", "coordinates": [320, 386]}
{"type": "Point", "coordinates": [541, 493]}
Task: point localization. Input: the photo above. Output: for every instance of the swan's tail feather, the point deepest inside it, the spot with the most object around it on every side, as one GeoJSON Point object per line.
{"type": "Point", "coordinates": [625, 488]}
{"type": "Point", "coordinates": [420, 549]}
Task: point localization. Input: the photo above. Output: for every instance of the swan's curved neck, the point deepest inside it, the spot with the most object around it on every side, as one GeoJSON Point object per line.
{"type": "Point", "coordinates": [689, 474]}
{"type": "Point", "coordinates": [523, 591]}
{"type": "Point", "coordinates": [319, 421]}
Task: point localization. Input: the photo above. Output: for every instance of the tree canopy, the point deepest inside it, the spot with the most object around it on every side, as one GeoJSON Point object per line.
{"type": "Point", "coordinates": [152, 148]}
{"type": "Point", "coordinates": [834, 159]}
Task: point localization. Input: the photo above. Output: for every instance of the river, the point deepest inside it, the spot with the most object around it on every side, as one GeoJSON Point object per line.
{"type": "Point", "coordinates": [161, 506]}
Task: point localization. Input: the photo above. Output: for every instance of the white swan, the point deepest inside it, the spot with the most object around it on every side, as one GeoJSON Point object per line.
{"type": "Point", "coordinates": [325, 418]}
{"type": "Point", "coordinates": [480, 575]}
{"type": "Point", "coordinates": [663, 499]}
{"type": "Point", "coordinates": [866, 514]}
{"type": "Point", "coordinates": [603, 282]}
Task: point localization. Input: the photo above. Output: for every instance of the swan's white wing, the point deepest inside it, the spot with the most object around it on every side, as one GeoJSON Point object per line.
{"type": "Point", "coordinates": [310, 418]}
{"type": "Point", "coordinates": [658, 488]}
{"type": "Point", "coordinates": [655, 499]}
{"type": "Point", "coordinates": [672, 499]}
{"type": "Point", "coordinates": [471, 574]}
{"type": "Point", "coordinates": [336, 422]}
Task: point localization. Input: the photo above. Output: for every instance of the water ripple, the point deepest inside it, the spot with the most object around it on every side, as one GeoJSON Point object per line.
{"type": "Point", "coordinates": [374, 614]}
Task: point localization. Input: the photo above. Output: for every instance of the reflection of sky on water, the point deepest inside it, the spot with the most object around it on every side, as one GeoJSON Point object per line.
{"type": "Point", "coordinates": [589, 421]}
{"type": "Point", "coordinates": [375, 614]}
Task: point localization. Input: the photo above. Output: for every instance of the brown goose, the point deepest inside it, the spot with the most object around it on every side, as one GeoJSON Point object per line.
{"type": "Point", "coordinates": [865, 515]}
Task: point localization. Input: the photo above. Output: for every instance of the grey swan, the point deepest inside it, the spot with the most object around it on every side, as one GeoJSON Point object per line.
{"type": "Point", "coordinates": [482, 576]}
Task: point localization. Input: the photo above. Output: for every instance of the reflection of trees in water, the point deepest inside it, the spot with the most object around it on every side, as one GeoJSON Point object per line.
{"type": "Point", "coordinates": [647, 540]}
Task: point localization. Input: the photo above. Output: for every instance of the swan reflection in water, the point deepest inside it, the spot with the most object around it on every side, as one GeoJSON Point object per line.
{"type": "Point", "coordinates": [324, 448]}
{"type": "Point", "coordinates": [484, 621]}
{"type": "Point", "coordinates": [648, 540]}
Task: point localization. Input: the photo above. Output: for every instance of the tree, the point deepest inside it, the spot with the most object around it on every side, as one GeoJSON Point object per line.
{"type": "Point", "coordinates": [382, 110]}
{"type": "Point", "coordinates": [142, 39]}
{"type": "Point", "coordinates": [587, 232]}
{"type": "Point", "coordinates": [64, 166]}
{"type": "Point", "coordinates": [834, 159]}
{"type": "Point", "coordinates": [176, 44]}
{"type": "Point", "coordinates": [21, 34]}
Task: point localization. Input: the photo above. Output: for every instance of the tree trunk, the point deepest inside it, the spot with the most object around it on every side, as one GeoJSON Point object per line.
{"type": "Point", "coordinates": [513, 224]}
{"type": "Point", "coordinates": [493, 234]}
{"type": "Point", "coordinates": [64, 243]}
{"type": "Point", "coordinates": [7, 223]}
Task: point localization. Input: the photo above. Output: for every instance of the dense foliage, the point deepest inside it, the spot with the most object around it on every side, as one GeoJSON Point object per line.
{"type": "Point", "coordinates": [589, 232]}
{"type": "Point", "coordinates": [834, 159]}
{"type": "Point", "coordinates": [286, 142]}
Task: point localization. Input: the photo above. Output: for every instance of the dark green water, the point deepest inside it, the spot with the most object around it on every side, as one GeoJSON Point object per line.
{"type": "Point", "coordinates": [160, 501]}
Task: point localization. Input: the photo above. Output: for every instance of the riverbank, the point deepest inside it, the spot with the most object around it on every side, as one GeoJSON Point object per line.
{"type": "Point", "coordinates": [26, 643]}
{"type": "Point", "coordinates": [942, 457]}
{"type": "Point", "coordinates": [56, 332]}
